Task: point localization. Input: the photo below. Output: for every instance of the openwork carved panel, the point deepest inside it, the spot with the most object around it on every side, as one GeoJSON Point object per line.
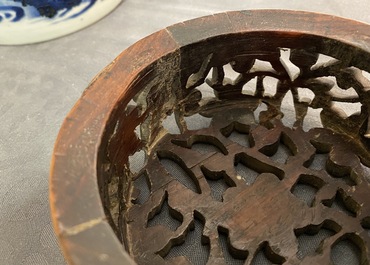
{"type": "Point", "coordinates": [238, 138]}
{"type": "Point", "coordinates": [253, 215]}
{"type": "Point", "coordinates": [237, 186]}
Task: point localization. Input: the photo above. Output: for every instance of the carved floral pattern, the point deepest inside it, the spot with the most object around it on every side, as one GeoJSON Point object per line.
{"type": "Point", "coordinates": [264, 214]}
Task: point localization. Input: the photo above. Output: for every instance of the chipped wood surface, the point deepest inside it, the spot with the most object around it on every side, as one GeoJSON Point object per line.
{"type": "Point", "coordinates": [91, 177]}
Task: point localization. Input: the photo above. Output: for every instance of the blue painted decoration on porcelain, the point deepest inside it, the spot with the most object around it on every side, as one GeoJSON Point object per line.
{"type": "Point", "coordinates": [17, 10]}
{"type": "Point", "coordinates": [11, 13]}
{"type": "Point", "coordinates": [32, 21]}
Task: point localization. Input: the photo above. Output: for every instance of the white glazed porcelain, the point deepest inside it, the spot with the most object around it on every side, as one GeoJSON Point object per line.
{"type": "Point", "coordinates": [42, 20]}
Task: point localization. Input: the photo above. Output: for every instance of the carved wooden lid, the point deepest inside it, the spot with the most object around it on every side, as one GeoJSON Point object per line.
{"type": "Point", "coordinates": [268, 143]}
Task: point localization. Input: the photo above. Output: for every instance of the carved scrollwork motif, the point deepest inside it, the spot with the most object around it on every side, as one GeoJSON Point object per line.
{"type": "Point", "coordinates": [234, 187]}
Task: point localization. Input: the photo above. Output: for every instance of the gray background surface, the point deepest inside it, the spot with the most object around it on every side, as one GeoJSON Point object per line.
{"type": "Point", "coordinates": [39, 85]}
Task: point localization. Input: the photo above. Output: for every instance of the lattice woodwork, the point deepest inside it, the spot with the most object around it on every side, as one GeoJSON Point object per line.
{"type": "Point", "coordinates": [229, 139]}
{"type": "Point", "coordinates": [263, 213]}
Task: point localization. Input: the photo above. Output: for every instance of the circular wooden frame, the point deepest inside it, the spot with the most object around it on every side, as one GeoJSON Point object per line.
{"type": "Point", "coordinates": [80, 222]}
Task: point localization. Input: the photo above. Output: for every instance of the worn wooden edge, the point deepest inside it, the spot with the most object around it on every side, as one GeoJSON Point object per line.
{"type": "Point", "coordinates": [76, 208]}
{"type": "Point", "coordinates": [295, 22]}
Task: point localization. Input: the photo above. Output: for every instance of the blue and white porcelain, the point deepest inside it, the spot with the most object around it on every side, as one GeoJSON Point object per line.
{"type": "Point", "coordinates": [30, 21]}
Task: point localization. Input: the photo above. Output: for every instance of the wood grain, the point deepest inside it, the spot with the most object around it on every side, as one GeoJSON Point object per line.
{"type": "Point", "coordinates": [92, 189]}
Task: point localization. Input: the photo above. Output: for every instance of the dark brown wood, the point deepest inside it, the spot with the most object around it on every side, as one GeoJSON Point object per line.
{"type": "Point", "coordinates": [100, 211]}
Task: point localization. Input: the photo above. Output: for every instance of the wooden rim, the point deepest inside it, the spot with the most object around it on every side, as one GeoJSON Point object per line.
{"type": "Point", "coordinates": [77, 211]}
